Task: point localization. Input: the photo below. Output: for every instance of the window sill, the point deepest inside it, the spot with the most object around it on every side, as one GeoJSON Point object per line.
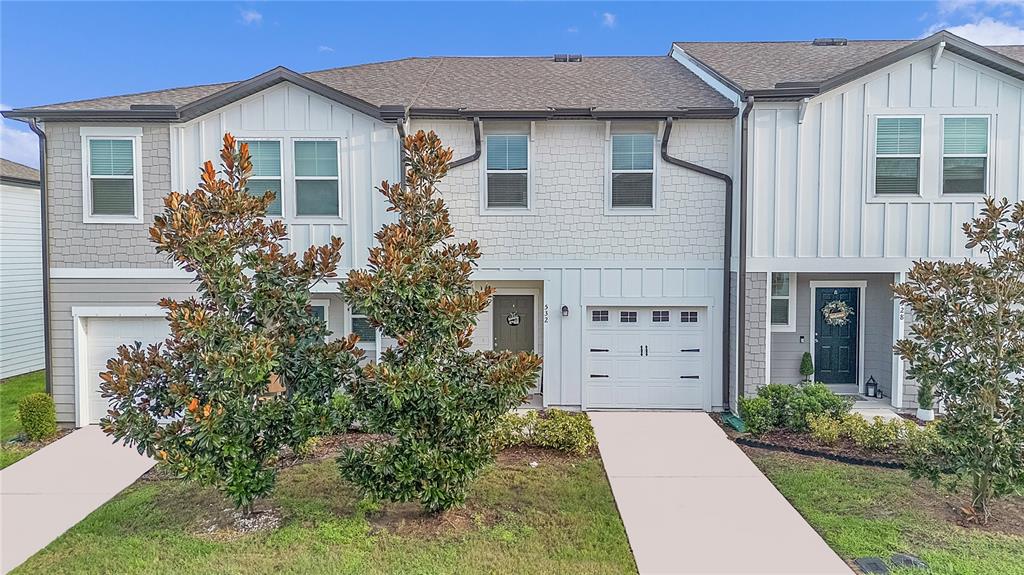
{"type": "Point", "coordinates": [781, 328]}
{"type": "Point", "coordinates": [337, 220]}
{"type": "Point", "coordinates": [131, 220]}
{"type": "Point", "coordinates": [507, 212]}
{"type": "Point", "coordinates": [608, 211]}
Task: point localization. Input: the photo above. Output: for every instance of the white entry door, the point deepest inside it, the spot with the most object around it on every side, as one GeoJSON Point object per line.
{"type": "Point", "coordinates": [646, 357]}
{"type": "Point", "coordinates": [103, 336]}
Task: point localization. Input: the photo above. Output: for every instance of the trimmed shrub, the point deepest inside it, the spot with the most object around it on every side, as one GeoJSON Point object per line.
{"type": "Point", "coordinates": [824, 428]}
{"type": "Point", "coordinates": [780, 397]}
{"type": "Point", "coordinates": [553, 428]}
{"type": "Point", "coordinates": [564, 431]}
{"type": "Point", "coordinates": [814, 399]}
{"type": "Point", "coordinates": [38, 416]}
{"type": "Point", "coordinates": [757, 413]}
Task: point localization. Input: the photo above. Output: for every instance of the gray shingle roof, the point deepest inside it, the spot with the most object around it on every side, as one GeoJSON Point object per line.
{"type": "Point", "coordinates": [630, 83]}
{"type": "Point", "coordinates": [763, 65]}
{"type": "Point", "coordinates": [9, 169]}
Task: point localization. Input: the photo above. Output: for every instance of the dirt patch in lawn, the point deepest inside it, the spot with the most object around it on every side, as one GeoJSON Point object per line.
{"type": "Point", "coordinates": [409, 519]}
{"type": "Point", "coordinates": [231, 524]}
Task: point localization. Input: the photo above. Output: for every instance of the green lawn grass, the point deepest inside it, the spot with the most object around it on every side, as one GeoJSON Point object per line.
{"type": "Point", "coordinates": [866, 511]}
{"type": "Point", "coordinates": [12, 390]}
{"type": "Point", "coordinates": [557, 518]}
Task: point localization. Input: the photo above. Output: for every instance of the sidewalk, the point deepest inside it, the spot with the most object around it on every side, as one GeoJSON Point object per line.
{"type": "Point", "coordinates": [48, 492]}
{"type": "Point", "coordinates": [693, 503]}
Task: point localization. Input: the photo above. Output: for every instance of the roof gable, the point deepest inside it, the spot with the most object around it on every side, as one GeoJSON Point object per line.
{"type": "Point", "coordinates": [801, 69]}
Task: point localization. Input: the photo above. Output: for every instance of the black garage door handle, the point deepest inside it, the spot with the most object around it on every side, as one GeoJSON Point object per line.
{"type": "Point", "coordinates": [689, 377]}
{"type": "Point", "coordinates": [592, 349]}
{"type": "Point", "coordinates": [597, 375]}
{"type": "Point", "coordinates": [690, 350]}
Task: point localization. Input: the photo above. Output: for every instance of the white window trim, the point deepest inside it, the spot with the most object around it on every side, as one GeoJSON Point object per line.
{"type": "Point", "coordinates": [654, 171]}
{"type": "Point", "coordinates": [790, 325]}
{"type": "Point", "coordinates": [295, 187]}
{"type": "Point", "coordinates": [987, 155]}
{"type": "Point", "coordinates": [132, 134]}
{"type": "Point", "coordinates": [326, 304]}
{"type": "Point", "coordinates": [528, 210]}
{"type": "Point", "coordinates": [875, 155]}
{"type": "Point", "coordinates": [373, 353]}
{"type": "Point", "coordinates": [280, 148]}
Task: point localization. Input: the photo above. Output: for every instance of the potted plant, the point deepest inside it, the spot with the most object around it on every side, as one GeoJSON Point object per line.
{"type": "Point", "coordinates": [807, 366]}
{"type": "Point", "coordinates": [925, 401]}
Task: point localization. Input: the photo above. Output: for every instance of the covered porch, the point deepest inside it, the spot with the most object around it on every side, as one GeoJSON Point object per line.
{"type": "Point", "coordinates": [848, 323]}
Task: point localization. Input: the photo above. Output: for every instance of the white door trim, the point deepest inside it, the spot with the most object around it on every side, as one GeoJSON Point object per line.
{"type": "Point", "coordinates": [861, 286]}
{"type": "Point", "coordinates": [80, 343]}
{"type": "Point", "coordinates": [538, 318]}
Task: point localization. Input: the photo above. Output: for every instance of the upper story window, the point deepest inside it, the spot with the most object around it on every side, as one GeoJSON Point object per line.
{"type": "Point", "coordinates": [508, 172]}
{"type": "Point", "coordinates": [633, 171]}
{"type": "Point", "coordinates": [783, 296]}
{"type": "Point", "coordinates": [964, 154]}
{"type": "Point", "coordinates": [898, 156]}
{"type": "Point", "coordinates": [361, 327]}
{"type": "Point", "coordinates": [112, 183]}
{"type": "Point", "coordinates": [266, 171]}
{"type": "Point", "coordinates": [316, 178]}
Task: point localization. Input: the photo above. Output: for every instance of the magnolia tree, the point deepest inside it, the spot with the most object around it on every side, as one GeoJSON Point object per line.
{"type": "Point", "coordinates": [438, 401]}
{"type": "Point", "coordinates": [967, 344]}
{"type": "Point", "coordinates": [246, 369]}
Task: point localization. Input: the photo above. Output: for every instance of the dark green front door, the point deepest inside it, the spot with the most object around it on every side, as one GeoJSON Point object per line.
{"type": "Point", "coordinates": [513, 322]}
{"type": "Point", "coordinates": [835, 341]}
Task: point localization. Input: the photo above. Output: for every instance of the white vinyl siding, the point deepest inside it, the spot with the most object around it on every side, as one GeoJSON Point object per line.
{"type": "Point", "coordinates": [632, 171]}
{"type": "Point", "coordinates": [21, 281]}
{"type": "Point", "coordinates": [508, 176]}
{"type": "Point", "coordinates": [317, 189]}
{"type": "Point", "coordinates": [898, 156]}
{"type": "Point", "coordinates": [964, 154]}
{"type": "Point", "coordinates": [783, 301]}
{"type": "Point", "coordinates": [266, 171]}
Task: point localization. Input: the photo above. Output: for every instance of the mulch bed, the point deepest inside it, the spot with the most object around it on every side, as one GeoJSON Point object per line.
{"type": "Point", "coordinates": [844, 451]}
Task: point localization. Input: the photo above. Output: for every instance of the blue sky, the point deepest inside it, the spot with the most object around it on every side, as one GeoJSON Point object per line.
{"type": "Point", "coordinates": [54, 52]}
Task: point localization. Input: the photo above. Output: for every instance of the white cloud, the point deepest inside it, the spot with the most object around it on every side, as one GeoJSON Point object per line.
{"type": "Point", "coordinates": [990, 32]}
{"type": "Point", "coordinates": [609, 20]}
{"type": "Point", "coordinates": [17, 144]}
{"type": "Point", "coordinates": [322, 48]}
{"type": "Point", "coordinates": [572, 29]}
{"type": "Point", "coordinates": [251, 17]}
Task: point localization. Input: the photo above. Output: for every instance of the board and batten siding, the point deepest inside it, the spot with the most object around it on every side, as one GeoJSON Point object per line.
{"type": "Point", "coordinates": [21, 281]}
{"type": "Point", "coordinates": [368, 153]}
{"type": "Point", "coordinates": [812, 201]}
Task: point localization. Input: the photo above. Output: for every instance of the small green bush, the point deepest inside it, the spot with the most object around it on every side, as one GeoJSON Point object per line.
{"type": "Point", "coordinates": [554, 428]}
{"type": "Point", "coordinates": [922, 446]}
{"type": "Point", "coordinates": [814, 399]}
{"type": "Point", "coordinates": [780, 396]}
{"type": "Point", "coordinates": [757, 413]}
{"type": "Point", "coordinates": [38, 416]}
{"type": "Point", "coordinates": [564, 431]}
{"type": "Point", "coordinates": [824, 428]}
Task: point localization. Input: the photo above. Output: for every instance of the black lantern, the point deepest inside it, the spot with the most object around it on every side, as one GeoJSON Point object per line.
{"type": "Point", "coordinates": [565, 311]}
{"type": "Point", "coordinates": [872, 387]}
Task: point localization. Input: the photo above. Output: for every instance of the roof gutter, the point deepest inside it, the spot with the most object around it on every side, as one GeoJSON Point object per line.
{"type": "Point", "coordinates": [741, 288]}
{"type": "Point", "coordinates": [44, 232]}
{"type": "Point", "coordinates": [726, 258]}
{"type": "Point", "coordinates": [573, 114]}
{"type": "Point", "coordinates": [476, 152]}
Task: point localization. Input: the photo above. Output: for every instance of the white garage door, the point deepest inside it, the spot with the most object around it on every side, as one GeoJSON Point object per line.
{"type": "Point", "coordinates": [646, 357]}
{"type": "Point", "coordinates": [103, 337]}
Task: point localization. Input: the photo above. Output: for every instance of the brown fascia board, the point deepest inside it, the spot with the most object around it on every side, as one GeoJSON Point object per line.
{"type": "Point", "coordinates": [25, 183]}
{"type": "Point", "coordinates": [572, 113]}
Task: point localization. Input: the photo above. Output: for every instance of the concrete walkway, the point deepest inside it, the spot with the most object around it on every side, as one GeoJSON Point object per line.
{"type": "Point", "coordinates": [51, 490]}
{"type": "Point", "coordinates": [692, 502]}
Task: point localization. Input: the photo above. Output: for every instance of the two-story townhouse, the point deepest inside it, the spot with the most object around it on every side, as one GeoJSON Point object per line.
{"type": "Point", "coordinates": [859, 157]}
{"type": "Point", "coordinates": [597, 188]}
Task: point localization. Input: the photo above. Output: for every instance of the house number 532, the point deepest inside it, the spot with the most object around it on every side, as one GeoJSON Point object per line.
{"type": "Point", "coordinates": [545, 313]}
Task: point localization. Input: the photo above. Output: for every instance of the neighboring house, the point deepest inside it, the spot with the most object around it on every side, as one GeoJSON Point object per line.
{"type": "Point", "coordinates": [21, 271]}
{"type": "Point", "coordinates": [599, 189]}
{"type": "Point", "coordinates": [861, 157]}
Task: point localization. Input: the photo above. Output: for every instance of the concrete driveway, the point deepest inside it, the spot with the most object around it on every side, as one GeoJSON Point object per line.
{"type": "Point", "coordinates": [692, 502]}
{"type": "Point", "coordinates": [51, 490]}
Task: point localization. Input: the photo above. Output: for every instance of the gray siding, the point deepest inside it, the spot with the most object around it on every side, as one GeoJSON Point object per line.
{"type": "Point", "coordinates": [67, 293]}
{"type": "Point", "coordinates": [21, 281]}
{"type": "Point", "coordinates": [755, 332]}
{"type": "Point", "coordinates": [787, 350]}
{"type": "Point", "coordinates": [74, 244]}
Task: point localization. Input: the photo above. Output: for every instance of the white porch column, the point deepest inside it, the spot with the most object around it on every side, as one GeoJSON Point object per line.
{"type": "Point", "coordinates": [897, 333]}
